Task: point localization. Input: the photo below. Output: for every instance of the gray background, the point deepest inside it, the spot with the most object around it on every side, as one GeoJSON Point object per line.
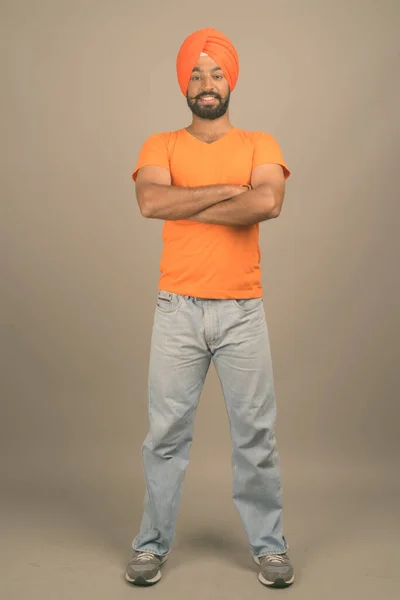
{"type": "Point", "coordinates": [84, 84]}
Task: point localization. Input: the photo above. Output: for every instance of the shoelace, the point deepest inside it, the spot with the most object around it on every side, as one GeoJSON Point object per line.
{"type": "Point", "coordinates": [274, 558]}
{"type": "Point", "coordinates": [145, 556]}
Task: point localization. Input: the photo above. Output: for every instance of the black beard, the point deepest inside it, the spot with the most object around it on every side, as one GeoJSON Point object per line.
{"type": "Point", "coordinates": [208, 112]}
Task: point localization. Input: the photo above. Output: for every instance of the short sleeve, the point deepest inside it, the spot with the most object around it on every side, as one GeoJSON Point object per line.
{"type": "Point", "coordinates": [267, 151]}
{"type": "Point", "coordinates": [154, 152]}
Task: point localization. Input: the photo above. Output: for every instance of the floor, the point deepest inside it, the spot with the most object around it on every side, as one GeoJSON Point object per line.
{"type": "Point", "coordinates": [66, 534]}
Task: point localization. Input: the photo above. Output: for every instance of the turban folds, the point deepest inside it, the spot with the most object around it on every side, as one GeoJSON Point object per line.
{"type": "Point", "coordinates": [217, 46]}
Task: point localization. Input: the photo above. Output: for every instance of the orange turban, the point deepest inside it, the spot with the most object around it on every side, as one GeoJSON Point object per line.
{"type": "Point", "coordinates": [217, 46]}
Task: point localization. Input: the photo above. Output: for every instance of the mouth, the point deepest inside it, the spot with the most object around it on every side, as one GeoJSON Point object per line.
{"type": "Point", "coordinates": [208, 99]}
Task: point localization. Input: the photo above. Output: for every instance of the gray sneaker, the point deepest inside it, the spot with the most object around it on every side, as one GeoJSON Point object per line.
{"type": "Point", "coordinates": [276, 570]}
{"type": "Point", "coordinates": [144, 568]}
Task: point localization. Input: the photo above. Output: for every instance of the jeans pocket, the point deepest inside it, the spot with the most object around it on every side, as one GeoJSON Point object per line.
{"type": "Point", "coordinates": [167, 302]}
{"type": "Point", "coordinates": [247, 305]}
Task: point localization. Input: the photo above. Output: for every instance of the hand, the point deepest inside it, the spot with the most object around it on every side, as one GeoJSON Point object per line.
{"type": "Point", "coordinates": [240, 189]}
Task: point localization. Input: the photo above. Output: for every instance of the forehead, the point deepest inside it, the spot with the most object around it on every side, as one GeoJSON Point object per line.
{"type": "Point", "coordinates": [205, 63]}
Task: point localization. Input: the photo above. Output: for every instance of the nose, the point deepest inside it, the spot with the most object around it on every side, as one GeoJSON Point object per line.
{"type": "Point", "coordinates": [208, 84]}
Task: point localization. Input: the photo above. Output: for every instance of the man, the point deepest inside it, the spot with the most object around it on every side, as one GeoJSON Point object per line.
{"type": "Point", "coordinates": [212, 184]}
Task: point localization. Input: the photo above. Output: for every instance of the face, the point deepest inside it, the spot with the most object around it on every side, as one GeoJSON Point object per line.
{"type": "Point", "coordinates": [208, 92]}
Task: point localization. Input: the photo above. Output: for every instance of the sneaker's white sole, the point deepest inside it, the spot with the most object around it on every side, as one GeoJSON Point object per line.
{"type": "Point", "coordinates": [148, 581]}
{"type": "Point", "coordinates": [271, 583]}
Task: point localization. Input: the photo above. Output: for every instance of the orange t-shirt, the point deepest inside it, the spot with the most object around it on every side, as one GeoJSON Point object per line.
{"type": "Point", "coordinates": [208, 260]}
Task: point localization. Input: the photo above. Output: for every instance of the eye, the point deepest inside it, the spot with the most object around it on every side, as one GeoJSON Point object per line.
{"type": "Point", "coordinates": [195, 77]}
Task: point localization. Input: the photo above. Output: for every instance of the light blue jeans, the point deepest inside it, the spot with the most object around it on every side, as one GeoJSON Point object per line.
{"type": "Point", "coordinates": [187, 334]}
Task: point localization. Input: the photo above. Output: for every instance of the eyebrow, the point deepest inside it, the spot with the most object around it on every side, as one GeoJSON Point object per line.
{"type": "Point", "coordinates": [197, 70]}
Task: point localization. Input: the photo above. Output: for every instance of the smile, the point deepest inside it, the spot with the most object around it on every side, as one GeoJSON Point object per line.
{"type": "Point", "coordinates": [208, 99]}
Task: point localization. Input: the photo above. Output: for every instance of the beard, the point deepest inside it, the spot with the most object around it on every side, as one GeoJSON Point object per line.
{"type": "Point", "coordinates": [209, 112]}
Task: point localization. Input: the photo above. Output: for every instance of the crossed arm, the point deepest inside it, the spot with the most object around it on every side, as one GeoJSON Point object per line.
{"type": "Point", "coordinates": [220, 204]}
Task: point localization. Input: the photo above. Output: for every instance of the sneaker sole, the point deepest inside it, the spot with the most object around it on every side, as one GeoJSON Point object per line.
{"type": "Point", "coordinates": [141, 581]}
{"type": "Point", "coordinates": [279, 583]}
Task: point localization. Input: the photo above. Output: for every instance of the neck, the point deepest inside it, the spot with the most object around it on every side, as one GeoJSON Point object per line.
{"type": "Point", "coordinates": [211, 128]}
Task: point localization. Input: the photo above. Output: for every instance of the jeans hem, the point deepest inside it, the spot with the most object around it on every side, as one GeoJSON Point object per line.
{"type": "Point", "coordinates": [270, 552]}
{"type": "Point", "coordinates": [149, 550]}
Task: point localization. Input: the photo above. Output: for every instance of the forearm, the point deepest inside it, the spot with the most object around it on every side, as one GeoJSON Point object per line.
{"type": "Point", "coordinates": [172, 203]}
{"type": "Point", "coordinates": [249, 208]}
